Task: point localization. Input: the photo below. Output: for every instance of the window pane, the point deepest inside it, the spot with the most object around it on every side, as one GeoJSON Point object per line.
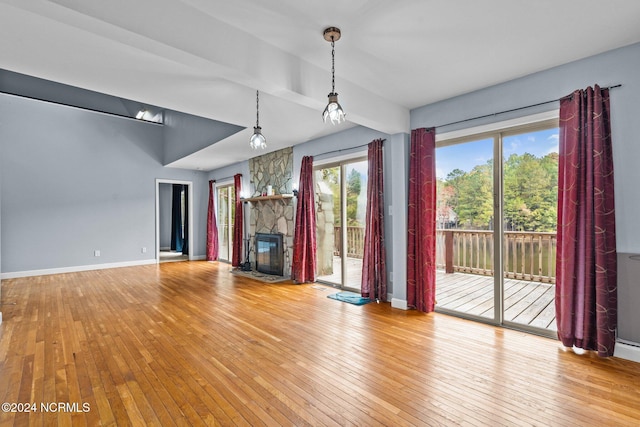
{"type": "Point", "coordinates": [223, 222]}
{"type": "Point", "coordinates": [328, 224]}
{"type": "Point", "coordinates": [530, 183]}
{"type": "Point", "coordinates": [464, 236]}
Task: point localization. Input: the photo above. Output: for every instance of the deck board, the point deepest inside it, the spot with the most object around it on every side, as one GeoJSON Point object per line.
{"type": "Point", "coordinates": [525, 302]}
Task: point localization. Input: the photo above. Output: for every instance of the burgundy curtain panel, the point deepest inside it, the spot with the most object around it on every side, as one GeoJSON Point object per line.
{"type": "Point", "coordinates": [374, 269]}
{"type": "Point", "coordinates": [236, 251]}
{"type": "Point", "coordinates": [421, 247]}
{"type": "Point", "coordinates": [586, 269]}
{"type": "Point", "coordinates": [212, 228]}
{"type": "Point", "coordinates": [303, 265]}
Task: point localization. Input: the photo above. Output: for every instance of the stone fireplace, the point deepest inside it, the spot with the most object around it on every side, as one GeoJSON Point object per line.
{"type": "Point", "coordinates": [275, 214]}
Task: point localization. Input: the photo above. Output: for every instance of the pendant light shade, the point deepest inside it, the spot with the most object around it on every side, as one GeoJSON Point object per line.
{"type": "Point", "coordinates": [257, 140]}
{"type": "Point", "coordinates": [333, 110]}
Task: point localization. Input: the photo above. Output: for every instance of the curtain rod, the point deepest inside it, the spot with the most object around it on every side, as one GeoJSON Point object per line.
{"type": "Point", "coordinates": [345, 149]}
{"type": "Point", "coordinates": [512, 110]}
{"type": "Point", "coordinates": [93, 110]}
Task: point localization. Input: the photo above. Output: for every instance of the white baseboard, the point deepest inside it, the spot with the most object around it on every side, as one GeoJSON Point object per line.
{"type": "Point", "coordinates": [198, 258]}
{"type": "Point", "coordinates": [628, 352]}
{"type": "Point", "coordinates": [0, 318]}
{"type": "Point", "coordinates": [399, 303]}
{"type": "Point", "coordinates": [74, 269]}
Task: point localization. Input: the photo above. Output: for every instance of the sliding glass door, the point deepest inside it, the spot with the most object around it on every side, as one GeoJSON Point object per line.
{"type": "Point", "coordinates": [530, 199]}
{"type": "Point", "coordinates": [341, 201]}
{"type": "Point", "coordinates": [225, 216]}
{"type": "Point", "coordinates": [496, 224]}
{"type": "Point", "coordinates": [465, 224]}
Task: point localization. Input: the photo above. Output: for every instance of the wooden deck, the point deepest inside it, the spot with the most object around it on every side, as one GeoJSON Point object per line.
{"type": "Point", "coordinates": [525, 302]}
{"type": "Point", "coordinates": [354, 273]}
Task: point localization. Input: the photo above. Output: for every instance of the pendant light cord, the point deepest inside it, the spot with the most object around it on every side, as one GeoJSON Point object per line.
{"type": "Point", "coordinates": [257, 109]}
{"type": "Point", "coordinates": [333, 66]}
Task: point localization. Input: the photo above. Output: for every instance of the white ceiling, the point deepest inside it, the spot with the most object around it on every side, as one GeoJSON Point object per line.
{"type": "Point", "coordinates": [208, 57]}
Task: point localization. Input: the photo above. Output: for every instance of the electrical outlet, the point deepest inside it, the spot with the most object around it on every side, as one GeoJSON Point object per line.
{"type": "Point", "coordinates": [391, 276]}
{"type": "Point", "coordinates": [144, 250]}
{"type": "Point", "coordinates": [96, 252]}
{"type": "Point", "coordinates": [390, 210]}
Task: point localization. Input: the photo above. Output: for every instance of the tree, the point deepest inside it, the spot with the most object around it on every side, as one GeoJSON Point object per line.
{"type": "Point", "coordinates": [354, 186]}
{"type": "Point", "coordinates": [473, 197]}
{"type": "Point", "coordinates": [529, 198]}
{"type": "Point", "coordinates": [530, 192]}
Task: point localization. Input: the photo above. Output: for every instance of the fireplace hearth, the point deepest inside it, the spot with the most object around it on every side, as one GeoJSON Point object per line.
{"type": "Point", "coordinates": [270, 253]}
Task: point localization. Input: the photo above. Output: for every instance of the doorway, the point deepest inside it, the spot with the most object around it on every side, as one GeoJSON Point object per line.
{"type": "Point", "coordinates": [174, 219]}
{"type": "Point", "coordinates": [226, 209]}
{"type": "Point", "coordinates": [341, 202]}
{"type": "Point", "coordinates": [496, 227]}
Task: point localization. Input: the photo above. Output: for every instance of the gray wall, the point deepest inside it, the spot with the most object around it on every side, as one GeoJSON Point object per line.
{"type": "Point", "coordinates": [185, 134]}
{"type": "Point", "coordinates": [615, 67]}
{"type": "Point", "coordinates": [74, 181]}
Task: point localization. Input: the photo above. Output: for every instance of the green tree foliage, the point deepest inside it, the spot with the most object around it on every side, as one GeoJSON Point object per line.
{"type": "Point", "coordinates": [475, 197]}
{"type": "Point", "coordinates": [530, 194]}
{"type": "Point", "coordinates": [354, 186]}
{"type": "Point", "coordinates": [331, 177]}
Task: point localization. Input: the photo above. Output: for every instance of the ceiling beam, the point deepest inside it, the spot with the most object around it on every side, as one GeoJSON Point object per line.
{"type": "Point", "coordinates": [214, 48]}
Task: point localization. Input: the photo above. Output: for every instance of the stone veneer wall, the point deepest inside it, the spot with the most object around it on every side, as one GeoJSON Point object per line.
{"type": "Point", "coordinates": [272, 216]}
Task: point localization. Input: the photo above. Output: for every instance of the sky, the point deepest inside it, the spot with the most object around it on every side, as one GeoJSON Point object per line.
{"type": "Point", "coordinates": [466, 156]}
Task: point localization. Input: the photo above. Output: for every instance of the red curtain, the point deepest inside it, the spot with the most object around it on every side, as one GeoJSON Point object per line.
{"type": "Point", "coordinates": [303, 265]}
{"type": "Point", "coordinates": [374, 269]}
{"type": "Point", "coordinates": [586, 266]}
{"type": "Point", "coordinates": [212, 229]}
{"type": "Point", "coordinates": [421, 250]}
{"type": "Point", "coordinates": [236, 254]}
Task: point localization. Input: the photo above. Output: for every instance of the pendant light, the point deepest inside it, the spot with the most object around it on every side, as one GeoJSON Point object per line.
{"type": "Point", "coordinates": [333, 110]}
{"type": "Point", "coordinates": [257, 139]}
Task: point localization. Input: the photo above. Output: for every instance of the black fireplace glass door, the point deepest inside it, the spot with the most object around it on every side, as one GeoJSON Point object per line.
{"type": "Point", "coordinates": [269, 254]}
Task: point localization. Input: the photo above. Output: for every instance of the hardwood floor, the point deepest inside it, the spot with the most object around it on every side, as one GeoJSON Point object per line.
{"type": "Point", "coordinates": [190, 344]}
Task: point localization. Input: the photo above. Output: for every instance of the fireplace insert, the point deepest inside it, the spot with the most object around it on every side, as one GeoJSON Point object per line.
{"type": "Point", "coordinates": [269, 254]}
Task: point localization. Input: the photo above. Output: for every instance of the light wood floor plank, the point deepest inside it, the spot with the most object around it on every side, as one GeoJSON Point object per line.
{"type": "Point", "coordinates": [188, 343]}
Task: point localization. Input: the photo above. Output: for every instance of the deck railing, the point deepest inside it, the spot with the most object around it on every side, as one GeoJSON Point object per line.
{"type": "Point", "coordinates": [355, 241]}
{"type": "Point", "coordinates": [526, 255]}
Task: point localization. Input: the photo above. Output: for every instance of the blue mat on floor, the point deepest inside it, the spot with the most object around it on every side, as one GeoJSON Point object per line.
{"type": "Point", "coordinates": [350, 297]}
